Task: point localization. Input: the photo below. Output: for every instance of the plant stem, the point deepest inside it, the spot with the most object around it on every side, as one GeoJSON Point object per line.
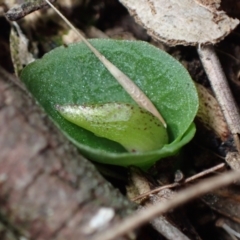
{"type": "Point", "coordinates": [221, 90]}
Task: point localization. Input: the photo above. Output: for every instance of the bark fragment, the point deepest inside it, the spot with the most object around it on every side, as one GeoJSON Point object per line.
{"type": "Point", "coordinates": [48, 191]}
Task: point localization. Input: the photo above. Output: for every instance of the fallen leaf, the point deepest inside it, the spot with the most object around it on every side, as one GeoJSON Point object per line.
{"type": "Point", "coordinates": [185, 22]}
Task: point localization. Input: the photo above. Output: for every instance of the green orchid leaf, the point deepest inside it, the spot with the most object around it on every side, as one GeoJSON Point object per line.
{"type": "Point", "coordinates": [73, 76]}
{"type": "Point", "coordinates": [136, 129]}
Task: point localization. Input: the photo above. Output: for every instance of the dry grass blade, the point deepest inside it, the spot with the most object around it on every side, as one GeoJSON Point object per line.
{"type": "Point", "coordinates": [19, 11]}
{"type": "Point", "coordinates": [130, 87]}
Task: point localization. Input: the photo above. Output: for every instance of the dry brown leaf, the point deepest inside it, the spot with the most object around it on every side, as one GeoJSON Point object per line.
{"type": "Point", "coordinates": [185, 22]}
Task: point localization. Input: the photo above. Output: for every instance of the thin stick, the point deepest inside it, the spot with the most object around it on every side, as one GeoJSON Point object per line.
{"type": "Point", "coordinates": [140, 218]}
{"type": "Point", "coordinates": [190, 179]}
{"type": "Point", "coordinates": [221, 89]}
{"type": "Point", "coordinates": [20, 11]}
{"type": "Point", "coordinates": [221, 223]}
{"type": "Point", "coordinates": [130, 87]}
{"type": "Point", "coordinates": [205, 172]}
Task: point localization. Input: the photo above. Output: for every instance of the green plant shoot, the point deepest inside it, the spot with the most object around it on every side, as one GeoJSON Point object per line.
{"type": "Point", "coordinates": [136, 129]}
{"type": "Point", "coordinates": [72, 76]}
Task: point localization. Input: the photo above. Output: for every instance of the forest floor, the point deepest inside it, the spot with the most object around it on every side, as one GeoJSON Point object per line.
{"type": "Point", "coordinates": [199, 219]}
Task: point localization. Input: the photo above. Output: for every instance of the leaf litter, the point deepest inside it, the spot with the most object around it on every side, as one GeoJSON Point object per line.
{"type": "Point", "coordinates": [211, 6]}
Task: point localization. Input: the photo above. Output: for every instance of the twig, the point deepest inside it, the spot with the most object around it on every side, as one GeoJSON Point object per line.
{"type": "Point", "coordinates": [221, 89]}
{"type": "Point", "coordinates": [167, 229]}
{"type": "Point", "coordinates": [205, 172]}
{"type": "Point", "coordinates": [161, 223]}
{"type": "Point", "coordinates": [221, 223]}
{"type": "Point", "coordinates": [190, 179]}
{"type": "Point", "coordinates": [24, 9]}
{"type": "Point", "coordinates": [140, 218]}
